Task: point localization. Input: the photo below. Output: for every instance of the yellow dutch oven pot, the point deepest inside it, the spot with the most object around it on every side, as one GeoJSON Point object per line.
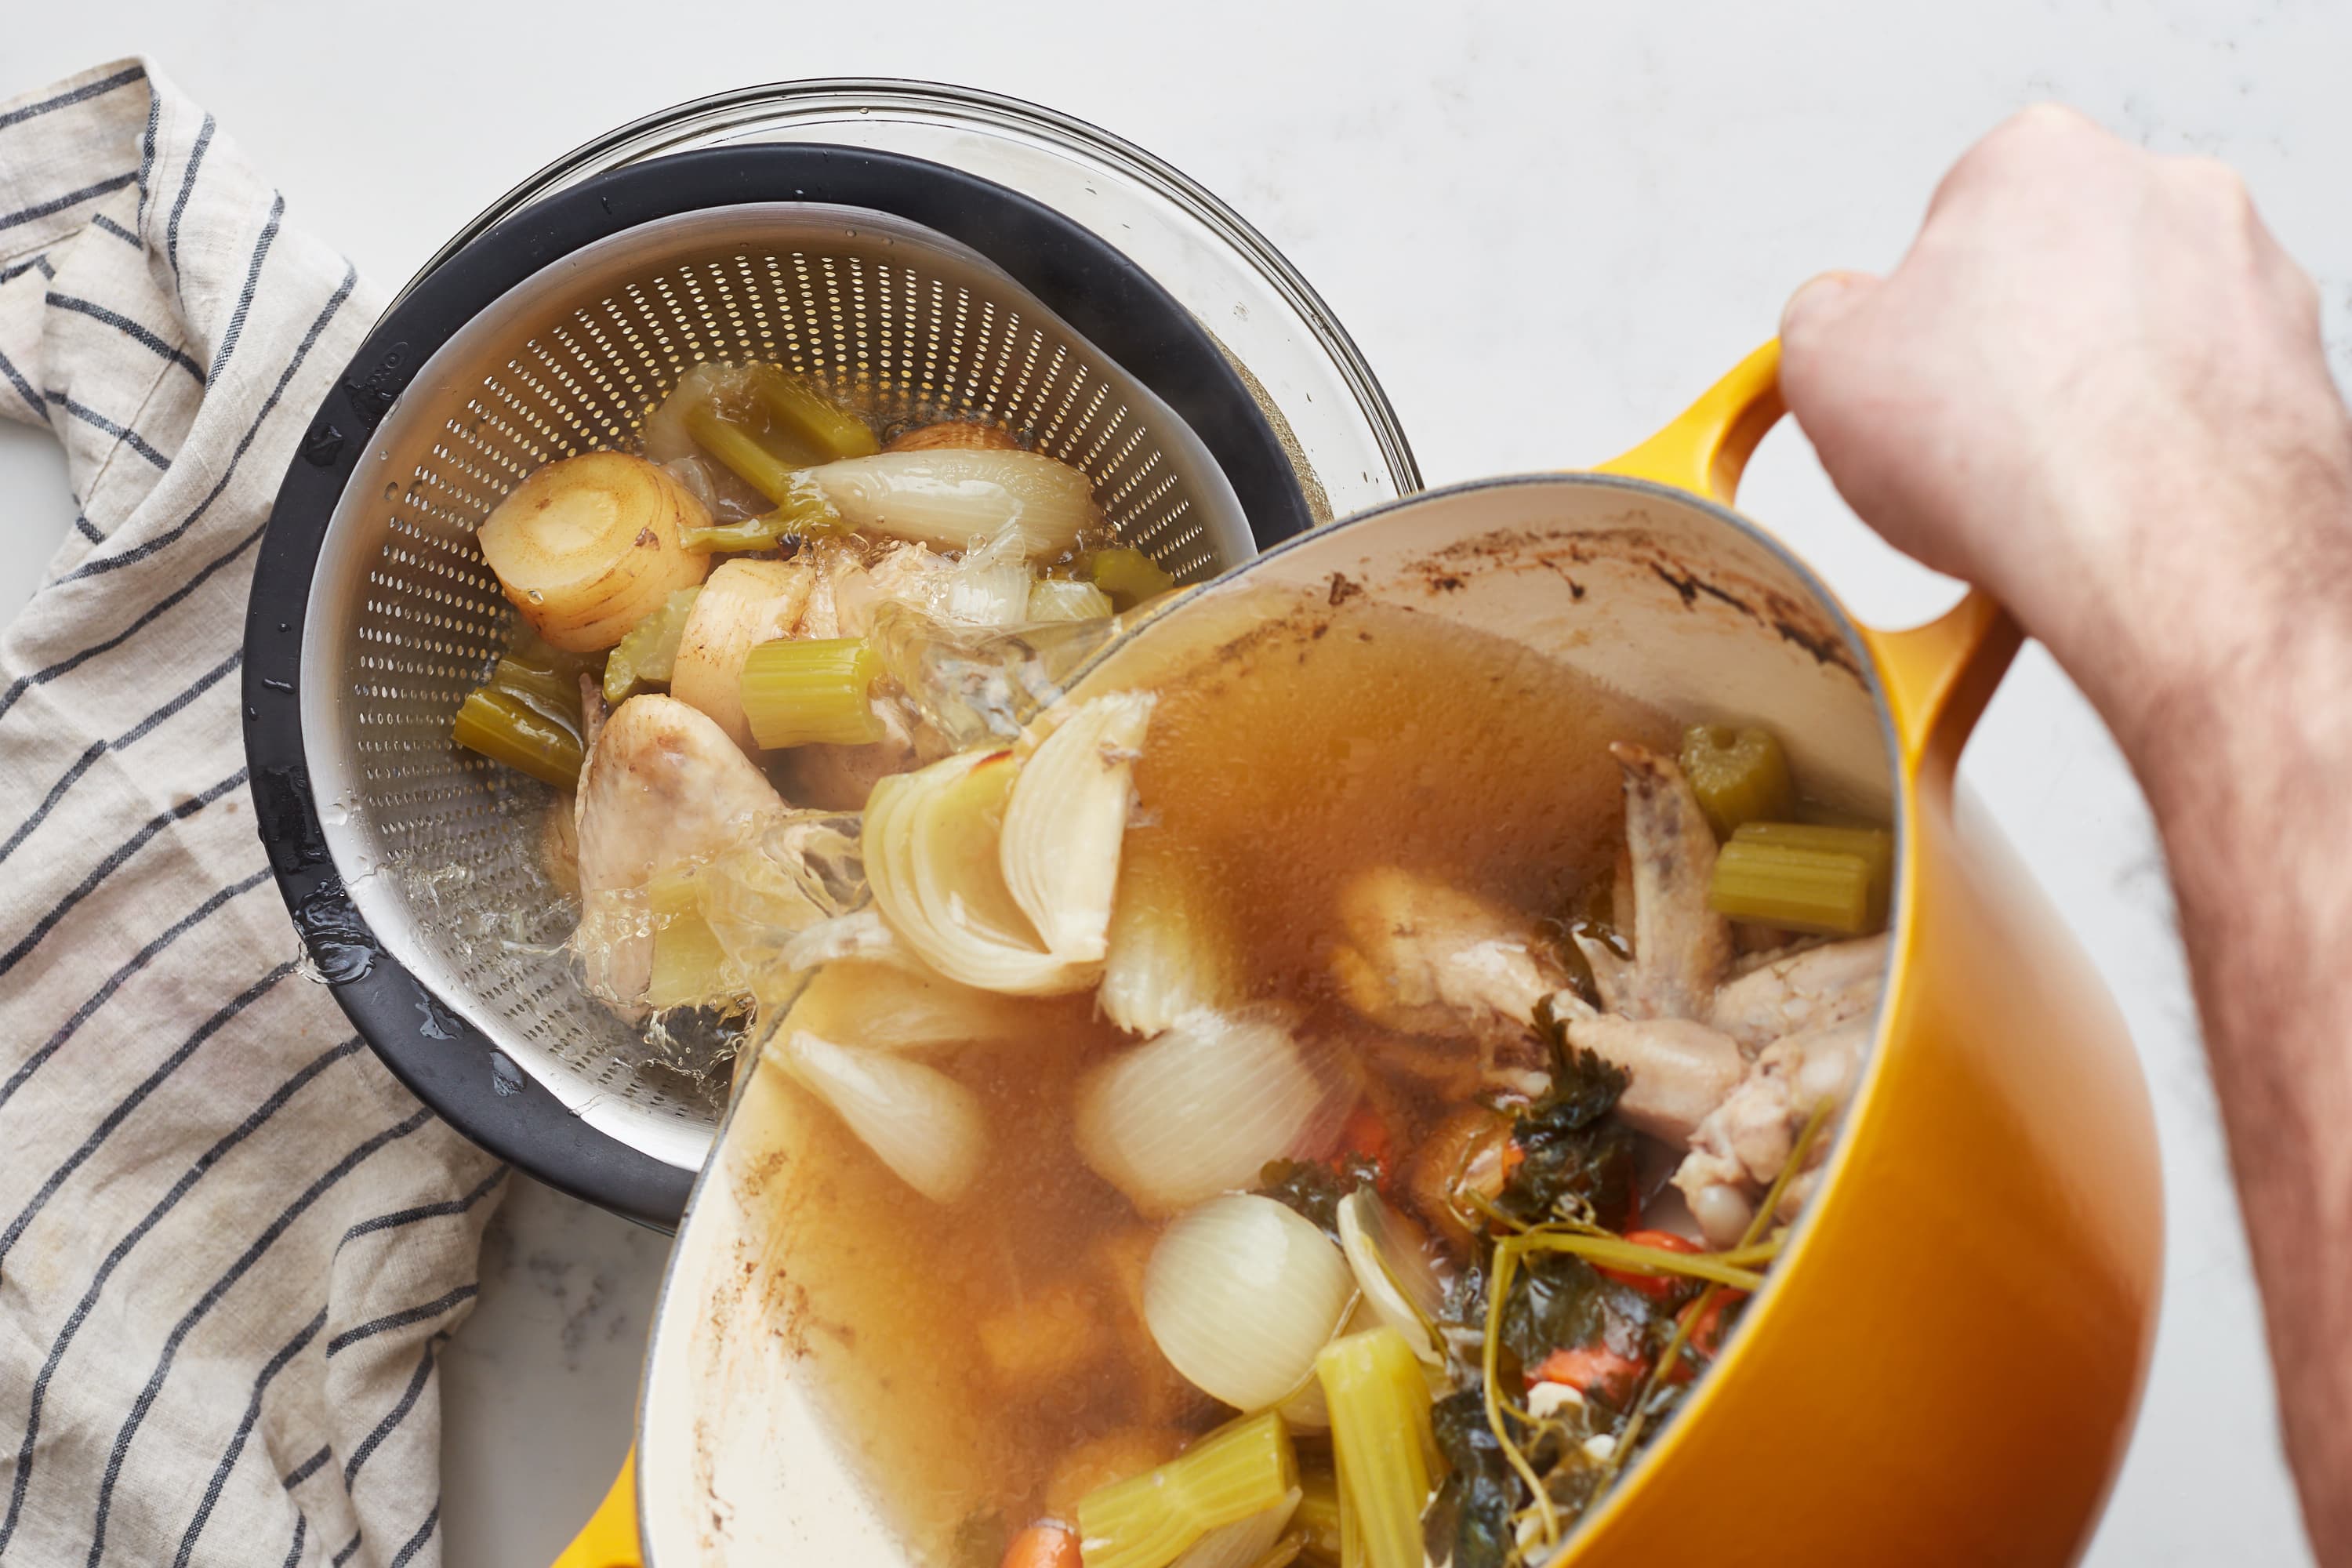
{"type": "Point", "coordinates": [1944, 1363]}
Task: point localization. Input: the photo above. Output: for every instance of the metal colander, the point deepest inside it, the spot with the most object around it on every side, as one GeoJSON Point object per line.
{"type": "Point", "coordinates": [407, 859]}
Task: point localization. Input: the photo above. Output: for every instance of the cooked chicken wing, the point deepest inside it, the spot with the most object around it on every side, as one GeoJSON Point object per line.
{"type": "Point", "coordinates": [1745, 1141]}
{"type": "Point", "coordinates": [1810, 990]}
{"type": "Point", "coordinates": [663, 785]}
{"type": "Point", "coordinates": [1681, 946]}
{"type": "Point", "coordinates": [1426, 959]}
{"type": "Point", "coordinates": [1677, 1072]}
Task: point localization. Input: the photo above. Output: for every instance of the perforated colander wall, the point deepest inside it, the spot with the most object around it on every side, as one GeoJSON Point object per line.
{"type": "Point", "coordinates": [406, 616]}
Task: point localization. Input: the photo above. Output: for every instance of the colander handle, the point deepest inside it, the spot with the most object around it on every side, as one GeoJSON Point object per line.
{"type": "Point", "coordinates": [609, 1539]}
{"type": "Point", "coordinates": [1938, 676]}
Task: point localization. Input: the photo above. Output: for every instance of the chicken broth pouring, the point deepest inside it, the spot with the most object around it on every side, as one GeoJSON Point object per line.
{"type": "Point", "coordinates": [1003, 1333]}
{"type": "Point", "coordinates": [1325, 1094]}
{"type": "Point", "coordinates": [1354, 931]}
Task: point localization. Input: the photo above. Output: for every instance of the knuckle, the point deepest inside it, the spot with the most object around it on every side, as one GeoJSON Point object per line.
{"type": "Point", "coordinates": [2213, 182]}
{"type": "Point", "coordinates": [2033, 130]}
{"type": "Point", "coordinates": [2026, 144]}
{"type": "Point", "coordinates": [2041, 120]}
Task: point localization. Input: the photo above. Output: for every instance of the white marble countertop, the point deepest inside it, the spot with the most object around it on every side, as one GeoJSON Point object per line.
{"type": "Point", "coordinates": [1548, 227]}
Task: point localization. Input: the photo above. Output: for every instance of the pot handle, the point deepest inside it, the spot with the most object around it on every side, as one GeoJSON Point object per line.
{"type": "Point", "coordinates": [1938, 676]}
{"type": "Point", "coordinates": [609, 1539]}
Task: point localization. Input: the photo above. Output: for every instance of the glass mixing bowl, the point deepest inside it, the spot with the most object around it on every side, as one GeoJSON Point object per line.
{"type": "Point", "coordinates": [1313, 385]}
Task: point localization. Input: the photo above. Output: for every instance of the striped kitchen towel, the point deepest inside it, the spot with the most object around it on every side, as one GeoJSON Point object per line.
{"type": "Point", "coordinates": [231, 1245]}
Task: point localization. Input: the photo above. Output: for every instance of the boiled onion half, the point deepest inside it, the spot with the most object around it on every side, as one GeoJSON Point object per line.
{"type": "Point", "coordinates": [1200, 1108]}
{"type": "Point", "coordinates": [951, 499]}
{"type": "Point", "coordinates": [1239, 1294]}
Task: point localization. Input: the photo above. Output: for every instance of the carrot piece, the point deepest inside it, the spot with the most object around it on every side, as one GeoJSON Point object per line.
{"type": "Point", "coordinates": [1592, 1369]}
{"type": "Point", "coordinates": [1366, 1135]}
{"type": "Point", "coordinates": [1707, 1332]}
{"type": "Point", "coordinates": [1657, 1287]}
{"type": "Point", "coordinates": [1044, 1546]}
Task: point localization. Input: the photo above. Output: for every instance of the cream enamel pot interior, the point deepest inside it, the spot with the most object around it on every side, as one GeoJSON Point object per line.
{"type": "Point", "coordinates": [1944, 1363]}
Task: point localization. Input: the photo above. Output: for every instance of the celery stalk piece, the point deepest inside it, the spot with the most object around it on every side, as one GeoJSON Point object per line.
{"type": "Point", "coordinates": [805, 514]}
{"type": "Point", "coordinates": [1794, 888]}
{"type": "Point", "coordinates": [764, 532]}
{"type": "Point", "coordinates": [1739, 776]}
{"type": "Point", "coordinates": [1381, 1430]}
{"type": "Point", "coordinates": [505, 729]}
{"type": "Point", "coordinates": [1128, 575]}
{"type": "Point", "coordinates": [689, 967]}
{"type": "Point", "coordinates": [740, 450]}
{"type": "Point", "coordinates": [1351, 1527]}
{"type": "Point", "coordinates": [1149, 1521]}
{"type": "Point", "coordinates": [1317, 1517]}
{"type": "Point", "coordinates": [645, 657]}
{"type": "Point", "coordinates": [547, 691]}
{"type": "Point", "coordinates": [1875, 845]}
{"type": "Point", "coordinates": [796, 693]}
{"type": "Point", "coordinates": [798, 412]}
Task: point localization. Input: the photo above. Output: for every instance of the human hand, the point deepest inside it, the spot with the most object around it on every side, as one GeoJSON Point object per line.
{"type": "Point", "coordinates": [2095, 385]}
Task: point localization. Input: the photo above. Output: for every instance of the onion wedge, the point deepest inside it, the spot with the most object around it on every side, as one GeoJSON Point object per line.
{"type": "Point", "coordinates": [932, 854]}
{"type": "Point", "coordinates": [1066, 819]}
{"type": "Point", "coordinates": [1393, 1269]}
{"type": "Point", "coordinates": [1169, 949]}
{"type": "Point", "coordinates": [951, 498]}
{"type": "Point", "coordinates": [928, 1128]}
{"type": "Point", "coordinates": [881, 1006]}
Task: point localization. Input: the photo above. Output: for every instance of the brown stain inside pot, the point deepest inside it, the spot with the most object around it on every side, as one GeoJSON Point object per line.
{"type": "Point", "coordinates": [1700, 588]}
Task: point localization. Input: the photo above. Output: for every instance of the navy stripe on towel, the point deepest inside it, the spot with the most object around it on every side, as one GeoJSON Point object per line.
{"type": "Point", "coordinates": [88, 90]}
{"type": "Point", "coordinates": [145, 548]}
{"type": "Point", "coordinates": [98, 749]}
{"type": "Point", "coordinates": [144, 337]}
{"type": "Point", "coordinates": [399, 1217]}
{"type": "Point", "coordinates": [189, 1178]}
{"type": "Point", "coordinates": [400, 1319]}
{"type": "Point", "coordinates": [187, 185]}
{"type": "Point", "coordinates": [211, 1298]}
{"type": "Point", "coordinates": [308, 1467]}
{"type": "Point", "coordinates": [70, 199]}
{"type": "Point", "coordinates": [132, 966]}
{"type": "Point", "coordinates": [72, 662]}
{"type": "Point", "coordinates": [113, 863]}
{"type": "Point", "coordinates": [268, 1373]}
{"type": "Point", "coordinates": [97, 421]}
{"type": "Point", "coordinates": [134, 1099]}
{"type": "Point", "coordinates": [415, 1544]}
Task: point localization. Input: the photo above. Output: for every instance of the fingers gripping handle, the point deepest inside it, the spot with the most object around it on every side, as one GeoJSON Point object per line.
{"type": "Point", "coordinates": [1938, 676]}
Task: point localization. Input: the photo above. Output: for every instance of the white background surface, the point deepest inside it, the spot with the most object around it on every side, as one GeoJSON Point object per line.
{"type": "Point", "coordinates": [1547, 231]}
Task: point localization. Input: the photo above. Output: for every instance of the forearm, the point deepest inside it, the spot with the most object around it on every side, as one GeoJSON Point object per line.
{"type": "Point", "coordinates": [2097, 386]}
{"type": "Point", "coordinates": [2239, 724]}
